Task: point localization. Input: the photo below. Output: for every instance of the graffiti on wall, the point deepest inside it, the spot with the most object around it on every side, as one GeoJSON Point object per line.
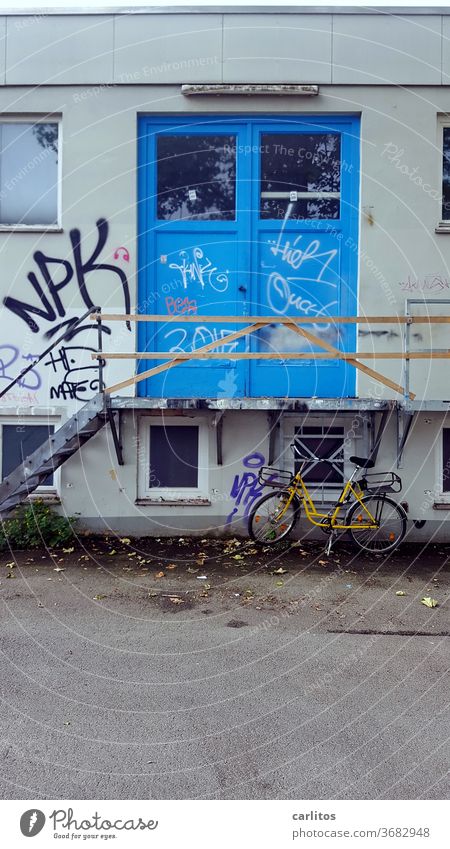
{"type": "Point", "coordinates": [12, 361]}
{"type": "Point", "coordinates": [69, 379]}
{"type": "Point", "coordinates": [53, 279]}
{"type": "Point", "coordinates": [246, 489]}
{"type": "Point", "coordinates": [195, 267]}
{"type": "Point", "coordinates": [427, 283]}
{"type": "Point", "coordinates": [53, 284]}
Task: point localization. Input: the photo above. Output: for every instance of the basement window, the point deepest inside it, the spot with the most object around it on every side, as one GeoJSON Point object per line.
{"type": "Point", "coordinates": [176, 460]}
{"type": "Point", "coordinates": [18, 442]}
{"type": "Point", "coordinates": [326, 442]}
{"type": "Point", "coordinates": [29, 174]}
{"type": "Point", "coordinates": [445, 460]}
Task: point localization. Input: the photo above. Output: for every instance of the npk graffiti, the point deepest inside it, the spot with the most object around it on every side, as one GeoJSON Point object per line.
{"type": "Point", "coordinates": [195, 267]}
{"type": "Point", "coordinates": [246, 488]}
{"type": "Point", "coordinates": [10, 360]}
{"type": "Point", "coordinates": [49, 286]}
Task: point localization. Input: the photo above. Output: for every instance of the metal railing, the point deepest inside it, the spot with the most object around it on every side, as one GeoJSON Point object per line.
{"type": "Point", "coordinates": [256, 323]}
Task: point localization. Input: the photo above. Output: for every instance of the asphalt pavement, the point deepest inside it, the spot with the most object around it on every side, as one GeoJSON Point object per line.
{"type": "Point", "coordinates": [195, 669]}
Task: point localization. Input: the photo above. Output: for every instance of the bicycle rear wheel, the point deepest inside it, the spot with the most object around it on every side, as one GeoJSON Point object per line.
{"type": "Point", "coordinates": [390, 518]}
{"type": "Point", "coordinates": [270, 521]}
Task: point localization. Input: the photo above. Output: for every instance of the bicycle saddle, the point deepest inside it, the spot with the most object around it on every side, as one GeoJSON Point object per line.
{"type": "Point", "coordinates": [362, 462]}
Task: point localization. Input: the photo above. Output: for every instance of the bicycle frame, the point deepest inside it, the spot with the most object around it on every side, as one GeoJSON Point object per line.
{"type": "Point", "coordinates": [329, 520]}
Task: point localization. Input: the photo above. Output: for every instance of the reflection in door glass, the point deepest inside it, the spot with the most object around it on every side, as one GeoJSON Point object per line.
{"type": "Point", "coordinates": [196, 177]}
{"type": "Point", "coordinates": [300, 175]}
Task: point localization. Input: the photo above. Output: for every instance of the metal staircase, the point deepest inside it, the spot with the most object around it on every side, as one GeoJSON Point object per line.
{"type": "Point", "coordinates": [52, 453]}
{"type": "Point", "coordinates": [68, 439]}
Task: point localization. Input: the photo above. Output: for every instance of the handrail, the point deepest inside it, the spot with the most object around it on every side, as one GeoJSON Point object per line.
{"type": "Point", "coordinates": [253, 325]}
{"type": "Point", "coordinates": [68, 332]}
{"type": "Point", "coordinates": [281, 319]}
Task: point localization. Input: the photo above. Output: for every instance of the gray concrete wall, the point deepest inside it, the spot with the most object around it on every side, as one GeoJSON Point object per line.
{"type": "Point", "coordinates": [107, 495]}
{"type": "Point", "coordinates": [369, 49]}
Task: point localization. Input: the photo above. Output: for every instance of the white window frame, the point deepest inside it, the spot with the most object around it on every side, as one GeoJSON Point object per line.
{"type": "Point", "coordinates": [443, 225]}
{"type": "Point", "coordinates": [23, 421]}
{"type": "Point", "coordinates": [38, 119]}
{"type": "Point", "coordinates": [163, 495]}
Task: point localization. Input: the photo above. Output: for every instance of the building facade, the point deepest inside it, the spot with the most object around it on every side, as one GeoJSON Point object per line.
{"type": "Point", "coordinates": [209, 168]}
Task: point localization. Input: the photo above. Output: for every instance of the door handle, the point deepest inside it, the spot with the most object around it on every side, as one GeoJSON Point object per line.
{"type": "Point", "coordinates": [242, 288]}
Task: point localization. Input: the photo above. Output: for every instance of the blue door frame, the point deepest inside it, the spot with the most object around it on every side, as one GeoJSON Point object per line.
{"type": "Point", "coordinates": [248, 265]}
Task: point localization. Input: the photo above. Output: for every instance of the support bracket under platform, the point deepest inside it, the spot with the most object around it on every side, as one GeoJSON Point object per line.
{"type": "Point", "coordinates": [114, 422]}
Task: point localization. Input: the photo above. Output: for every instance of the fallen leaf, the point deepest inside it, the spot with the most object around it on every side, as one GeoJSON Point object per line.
{"type": "Point", "coordinates": [279, 583]}
{"type": "Point", "coordinates": [160, 575]}
{"type": "Point", "coordinates": [59, 569]}
{"type": "Point", "coordinates": [192, 571]}
{"type": "Point", "coordinates": [125, 540]}
{"type": "Point", "coordinates": [323, 562]}
{"type": "Point", "coordinates": [171, 566]}
{"type": "Point", "coordinates": [202, 577]}
{"type": "Point", "coordinates": [428, 601]}
{"type": "Point", "coordinates": [68, 550]}
{"type": "Point", "coordinates": [98, 597]}
{"type": "Point", "coordinates": [112, 552]}
{"type": "Point", "coordinates": [280, 571]}
{"type": "Point", "coordinates": [400, 592]}
{"type": "Point", "coordinates": [176, 600]}
{"type": "Point", "coordinates": [11, 565]}
{"type": "Point", "coordinates": [237, 557]}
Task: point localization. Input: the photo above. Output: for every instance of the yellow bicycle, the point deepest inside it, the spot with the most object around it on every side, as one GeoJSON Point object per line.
{"type": "Point", "coordinates": [374, 521]}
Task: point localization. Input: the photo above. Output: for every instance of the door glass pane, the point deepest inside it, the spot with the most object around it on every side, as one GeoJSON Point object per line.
{"type": "Point", "coordinates": [173, 456]}
{"type": "Point", "coordinates": [196, 177]}
{"type": "Point", "coordinates": [300, 175]}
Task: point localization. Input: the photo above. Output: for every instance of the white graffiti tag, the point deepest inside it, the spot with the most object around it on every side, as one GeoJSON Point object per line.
{"type": "Point", "coordinates": [280, 297]}
{"type": "Point", "coordinates": [201, 335]}
{"type": "Point", "coordinates": [296, 257]}
{"type": "Point", "coordinates": [197, 268]}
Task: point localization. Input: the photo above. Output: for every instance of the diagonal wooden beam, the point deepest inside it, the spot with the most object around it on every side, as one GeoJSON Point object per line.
{"type": "Point", "coordinates": [252, 328]}
{"type": "Point", "coordinates": [335, 352]}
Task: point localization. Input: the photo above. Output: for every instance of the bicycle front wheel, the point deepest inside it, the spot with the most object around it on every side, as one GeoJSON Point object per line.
{"type": "Point", "coordinates": [390, 520]}
{"type": "Point", "coordinates": [270, 520]}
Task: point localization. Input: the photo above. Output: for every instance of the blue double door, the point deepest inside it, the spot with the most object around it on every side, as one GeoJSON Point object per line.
{"type": "Point", "coordinates": [247, 217]}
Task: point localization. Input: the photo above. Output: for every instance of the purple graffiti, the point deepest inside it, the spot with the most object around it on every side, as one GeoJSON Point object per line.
{"type": "Point", "coordinates": [10, 356]}
{"type": "Point", "coordinates": [246, 488]}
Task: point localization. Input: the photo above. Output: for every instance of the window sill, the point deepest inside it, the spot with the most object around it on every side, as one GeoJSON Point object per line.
{"type": "Point", "coordinates": [29, 228]}
{"type": "Point", "coordinates": [442, 227]}
{"type": "Point", "coordinates": [173, 502]}
{"type": "Point", "coordinates": [49, 496]}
